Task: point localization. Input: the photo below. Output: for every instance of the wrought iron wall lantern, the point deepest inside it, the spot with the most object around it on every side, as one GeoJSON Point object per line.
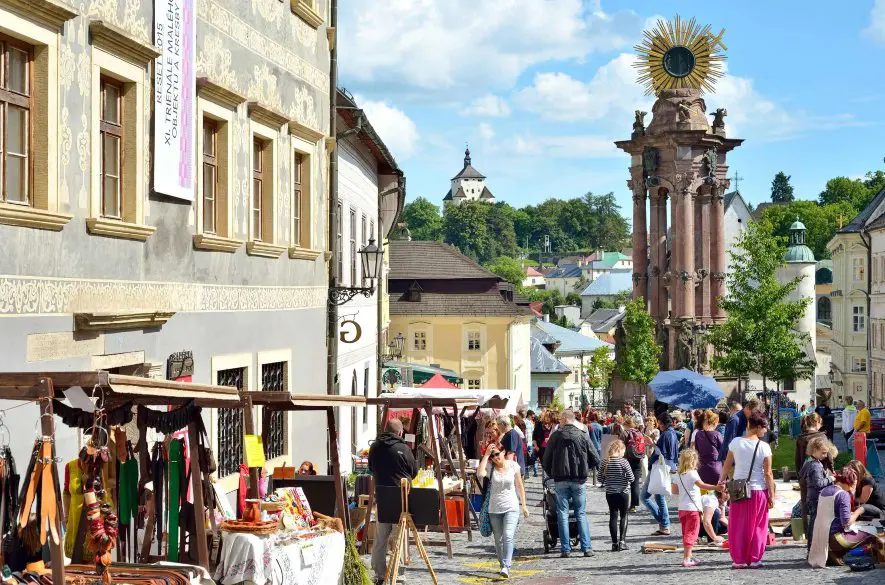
{"type": "Point", "coordinates": [370, 256]}
{"type": "Point", "coordinates": [395, 348]}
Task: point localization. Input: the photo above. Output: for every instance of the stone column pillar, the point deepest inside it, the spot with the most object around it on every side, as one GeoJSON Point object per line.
{"type": "Point", "coordinates": [702, 227]}
{"type": "Point", "coordinates": [677, 232]}
{"type": "Point", "coordinates": [717, 253]}
{"type": "Point", "coordinates": [640, 236]}
{"type": "Point", "coordinates": [663, 299]}
{"type": "Point", "coordinates": [655, 285]}
{"type": "Point", "coordinates": [686, 276]}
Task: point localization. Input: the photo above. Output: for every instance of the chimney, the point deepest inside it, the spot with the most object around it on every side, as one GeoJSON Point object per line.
{"type": "Point", "coordinates": [546, 318]}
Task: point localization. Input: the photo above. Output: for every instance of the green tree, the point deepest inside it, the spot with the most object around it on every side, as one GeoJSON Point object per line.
{"type": "Point", "coordinates": [553, 298]}
{"type": "Point", "coordinates": [423, 219]}
{"type": "Point", "coordinates": [608, 230]}
{"type": "Point", "coordinates": [760, 333]}
{"type": "Point", "coordinates": [822, 221]}
{"type": "Point", "coordinates": [640, 356]}
{"type": "Point", "coordinates": [600, 368]}
{"type": "Point", "coordinates": [509, 269]}
{"type": "Point", "coordinates": [874, 182]}
{"type": "Point", "coordinates": [480, 230]}
{"type": "Point", "coordinates": [781, 189]}
{"type": "Point", "coordinates": [573, 299]}
{"type": "Point", "coordinates": [619, 300]}
{"type": "Point", "coordinates": [843, 189]}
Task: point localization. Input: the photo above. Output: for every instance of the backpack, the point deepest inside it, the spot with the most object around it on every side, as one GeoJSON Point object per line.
{"type": "Point", "coordinates": [635, 445]}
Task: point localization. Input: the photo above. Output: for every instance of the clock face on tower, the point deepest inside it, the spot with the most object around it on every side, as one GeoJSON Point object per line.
{"type": "Point", "coordinates": [679, 54]}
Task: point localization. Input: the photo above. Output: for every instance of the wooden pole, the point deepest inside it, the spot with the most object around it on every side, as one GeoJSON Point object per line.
{"type": "Point", "coordinates": [47, 424]}
{"type": "Point", "coordinates": [336, 468]}
{"type": "Point", "coordinates": [463, 466]}
{"type": "Point", "coordinates": [197, 489]}
{"type": "Point", "coordinates": [249, 427]}
{"type": "Point", "coordinates": [444, 517]}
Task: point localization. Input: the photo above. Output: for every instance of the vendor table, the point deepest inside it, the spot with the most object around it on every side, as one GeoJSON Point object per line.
{"type": "Point", "coordinates": [785, 498]}
{"type": "Point", "coordinates": [271, 560]}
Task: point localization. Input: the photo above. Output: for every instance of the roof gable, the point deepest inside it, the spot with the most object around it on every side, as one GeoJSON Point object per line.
{"type": "Point", "coordinates": [416, 260]}
{"type": "Point", "coordinates": [870, 213]}
{"type": "Point", "coordinates": [543, 362]}
{"type": "Point", "coordinates": [468, 172]}
{"type": "Point", "coordinates": [571, 342]}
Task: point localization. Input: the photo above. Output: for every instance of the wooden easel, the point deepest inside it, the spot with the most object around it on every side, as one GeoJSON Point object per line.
{"type": "Point", "coordinates": [402, 529]}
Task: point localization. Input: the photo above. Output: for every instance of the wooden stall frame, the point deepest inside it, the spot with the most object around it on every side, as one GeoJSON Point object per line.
{"type": "Point", "coordinates": [287, 401]}
{"type": "Point", "coordinates": [118, 389]}
{"type": "Point", "coordinates": [428, 405]}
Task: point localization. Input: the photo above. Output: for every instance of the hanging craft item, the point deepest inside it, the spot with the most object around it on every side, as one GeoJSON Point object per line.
{"type": "Point", "coordinates": [168, 422]}
{"type": "Point", "coordinates": [43, 481]}
{"type": "Point", "coordinates": [101, 532]}
{"type": "Point", "coordinates": [8, 493]}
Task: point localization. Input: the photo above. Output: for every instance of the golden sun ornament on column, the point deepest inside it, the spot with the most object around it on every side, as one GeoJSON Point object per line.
{"type": "Point", "coordinates": [680, 54]}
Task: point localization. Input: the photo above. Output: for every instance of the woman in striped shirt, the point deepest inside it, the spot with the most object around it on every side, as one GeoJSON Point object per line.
{"type": "Point", "coordinates": [618, 476]}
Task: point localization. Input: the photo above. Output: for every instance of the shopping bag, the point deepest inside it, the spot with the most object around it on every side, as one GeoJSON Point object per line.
{"type": "Point", "coordinates": [659, 483]}
{"type": "Point", "coordinates": [485, 521]}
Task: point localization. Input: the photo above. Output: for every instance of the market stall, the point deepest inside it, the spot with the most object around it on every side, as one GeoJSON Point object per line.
{"type": "Point", "coordinates": [281, 540]}
{"type": "Point", "coordinates": [450, 498]}
{"type": "Point", "coordinates": [93, 528]}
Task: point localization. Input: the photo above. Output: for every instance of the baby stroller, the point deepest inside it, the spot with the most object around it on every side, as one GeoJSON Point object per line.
{"type": "Point", "coordinates": [551, 533]}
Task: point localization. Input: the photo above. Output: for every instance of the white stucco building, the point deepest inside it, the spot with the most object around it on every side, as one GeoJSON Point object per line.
{"type": "Point", "coordinates": [800, 262]}
{"type": "Point", "coordinates": [367, 178]}
{"type": "Point", "coordinates": [468, 185]}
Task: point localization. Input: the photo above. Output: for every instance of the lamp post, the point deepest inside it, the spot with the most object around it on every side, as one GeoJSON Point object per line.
{"type": "Point", "coordinates": [370, 256]}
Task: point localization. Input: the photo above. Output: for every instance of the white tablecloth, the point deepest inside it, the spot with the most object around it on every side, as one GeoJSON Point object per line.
{"type": "Point", "coordinates": [264, 560]}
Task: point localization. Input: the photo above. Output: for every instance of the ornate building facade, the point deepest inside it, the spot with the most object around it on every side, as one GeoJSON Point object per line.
{"type": "Point", "coordinates": [106, 267]}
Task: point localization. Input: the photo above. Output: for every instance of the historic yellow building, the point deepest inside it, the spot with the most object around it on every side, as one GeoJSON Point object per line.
{"type": "Point", "coordinates": [455, 314]}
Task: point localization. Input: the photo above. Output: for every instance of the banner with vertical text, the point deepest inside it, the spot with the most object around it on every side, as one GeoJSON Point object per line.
{"type": "Point", "coordinates": [175, 34]}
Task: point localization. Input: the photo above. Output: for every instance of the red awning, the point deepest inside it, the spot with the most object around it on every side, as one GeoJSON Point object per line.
{"type": "Point", "coordinates": [437, 381]}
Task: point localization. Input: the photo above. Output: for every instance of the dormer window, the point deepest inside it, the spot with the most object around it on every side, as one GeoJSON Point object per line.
{"type": "Point", "coordinates": [413, 294]}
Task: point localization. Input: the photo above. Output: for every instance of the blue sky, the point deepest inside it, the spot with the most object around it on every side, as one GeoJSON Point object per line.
{"type": "Point", "coordinates": [541, 88]}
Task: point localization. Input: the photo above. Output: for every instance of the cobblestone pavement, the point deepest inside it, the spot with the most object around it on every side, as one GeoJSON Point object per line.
{"type": "Point", "coordinates": [474, 562]}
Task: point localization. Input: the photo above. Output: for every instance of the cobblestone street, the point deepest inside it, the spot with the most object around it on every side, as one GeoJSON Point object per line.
{"type": "Point", "coordinates": [474, 562]}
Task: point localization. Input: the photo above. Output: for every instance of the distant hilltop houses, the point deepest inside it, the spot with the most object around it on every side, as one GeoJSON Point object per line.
{"type": "Point", "coordinates": [468, 185]}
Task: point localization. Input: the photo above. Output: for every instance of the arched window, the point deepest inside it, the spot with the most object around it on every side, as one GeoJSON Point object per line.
{"type": "Point", "coordinates": [824, 310]}
{"type": "Point", "coordinates": [354, 391]}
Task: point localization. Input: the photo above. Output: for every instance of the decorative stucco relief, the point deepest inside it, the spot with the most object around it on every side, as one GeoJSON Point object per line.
{"type": "Point", "coordinates": [305, 34]}
{"type": "Point", "coordinates": [263, 87]}
{"type": "Point", "coordinates": [303, 109]}
{"type": "Point", "coordinates": [268, 49]}
{"type": "Point", "coordinates": [270, 10]}
{"type": "Point", "coordinates": [34, 295]}
{"type": "Point", "coordinates": [214, 61]}
{"type": "Point", "coordinates": [67, 139]}
{"type": "Point", "coordinates": [132, 20]}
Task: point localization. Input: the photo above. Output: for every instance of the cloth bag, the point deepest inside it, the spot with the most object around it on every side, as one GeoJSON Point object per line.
{"type": "Point", "coordinates": [820, 538]}
{"type": "Point", "coordinates": [739, 489]}
{"type": "Point", "coordinates": [659, 483]}
{"type": "Point", "coordinates": [485, 521]}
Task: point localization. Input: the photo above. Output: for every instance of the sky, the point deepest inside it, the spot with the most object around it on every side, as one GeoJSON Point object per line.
{"type": "Point", "coordinates": [540, 89]}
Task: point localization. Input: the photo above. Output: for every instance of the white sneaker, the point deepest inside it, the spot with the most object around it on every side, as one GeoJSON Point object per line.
{"type": "Point", "coordinates": [505, 572]}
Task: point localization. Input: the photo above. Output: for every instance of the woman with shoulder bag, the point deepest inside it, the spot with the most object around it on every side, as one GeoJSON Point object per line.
{"type": "Point", "coordinates": [506, 499]}
{"type": "Point", "coordinates": [751, 491]}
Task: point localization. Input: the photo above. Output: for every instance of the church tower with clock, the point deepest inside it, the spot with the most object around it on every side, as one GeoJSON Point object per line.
{"type": "Point", "coordinates": [678, 170]}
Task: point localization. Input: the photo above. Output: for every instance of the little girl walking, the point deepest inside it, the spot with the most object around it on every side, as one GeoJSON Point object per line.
{"type": "Point", "coordinates": [617, 477]}
{"type": "Point", "coordinates": [689, 485]}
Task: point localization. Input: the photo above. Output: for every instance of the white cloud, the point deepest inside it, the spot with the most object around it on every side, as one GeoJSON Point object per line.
{"type": "Point", "coordinates": [565, 146]}
{"type": "Point", "coordinates": [490, 106]}
{"type": "Point", "coordinates": [876, 30]}
{"type": "Point", "coordinates": [395, 128]}
{"type": "Point", "coordinates": [486, 132]}
{"type": "Point", "coordinates": [457, 47]}
{"type": "Point", "coordinates": [612, 93]}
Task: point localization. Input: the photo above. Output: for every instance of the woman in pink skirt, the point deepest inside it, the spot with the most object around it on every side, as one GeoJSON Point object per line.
{"type": "Point", "coordinates": [749, 458]}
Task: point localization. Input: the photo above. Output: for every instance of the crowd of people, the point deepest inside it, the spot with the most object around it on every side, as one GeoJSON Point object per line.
{"type": "Point", "coordinates": [720, 469]}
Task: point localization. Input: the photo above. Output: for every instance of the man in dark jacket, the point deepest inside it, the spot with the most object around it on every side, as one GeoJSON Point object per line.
{"type": "Point", "coordinates": [568, 459]}
{"type": "Point", "coordinates": [390, 460]}
{"type": "Point", "coordinates": [737, 425]}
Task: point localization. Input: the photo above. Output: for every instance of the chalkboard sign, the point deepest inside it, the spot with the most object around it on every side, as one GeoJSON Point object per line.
{"type": "Point", "coordinates": [318, 489]}
{"type": "Point", "coordinates": [423, 505]}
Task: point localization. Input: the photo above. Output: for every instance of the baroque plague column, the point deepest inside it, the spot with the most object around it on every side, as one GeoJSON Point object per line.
{"type": "Point", "coordinates": [679, 157]}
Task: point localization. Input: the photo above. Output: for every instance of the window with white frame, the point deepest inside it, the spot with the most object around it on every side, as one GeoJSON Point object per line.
{"type": "Point", "coordinates": [29, 111]}
{"type": "Point", "coordinates": [859, 365]}
{"type": "Point", "coordinates": [874, 331]}
{"type": "Point", "coordinates": [215, 175]}
{"type": "Point", "coordinates": [858, 268]}
{"type": "Point", "coordinates": [274, 377]}
{"type": "Point", "coordinates": [298, 199]}
{"type": "Point", "coordinates": [858, 319]}
{"type": "Point", "coordinates": [339, 240]}
{"type": "Point", "coordinates": [420, 341]}
{"type": "Point", "coordinates": [118, 166]}
{"type": "Point", "coordinates": [230, 425]}
{"type": "Point", "coordinates": [365, 236]}
{"type": "Point", "coordinates": [353, 254]}
{"type": "Point", "coordinates": [474, 341]}
{"type": "Point", "coordinates": [474, 384]}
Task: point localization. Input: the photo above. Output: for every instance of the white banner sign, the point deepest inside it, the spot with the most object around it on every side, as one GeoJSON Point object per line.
{"type": "Point", "coordinates": [175, 34]}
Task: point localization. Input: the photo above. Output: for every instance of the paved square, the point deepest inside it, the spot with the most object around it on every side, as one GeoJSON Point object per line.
{"type": "Point", "coordinates": [474, 562]}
